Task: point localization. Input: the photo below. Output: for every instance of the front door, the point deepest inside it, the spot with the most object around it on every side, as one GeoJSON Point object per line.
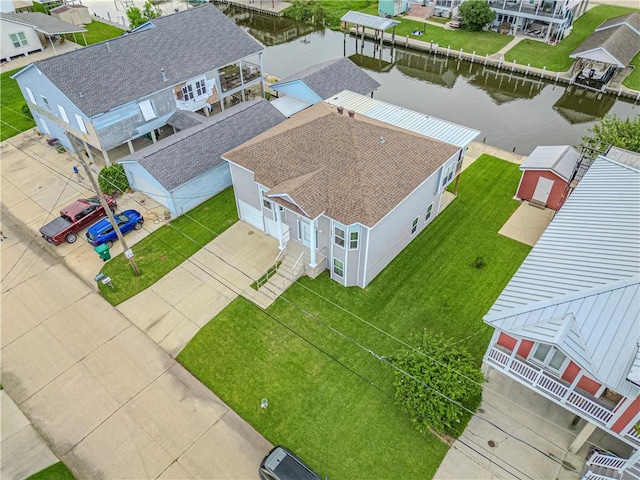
{"type": "Point", "coordinates": [304, 233]}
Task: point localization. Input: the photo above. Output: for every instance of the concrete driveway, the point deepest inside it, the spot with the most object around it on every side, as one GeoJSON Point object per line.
{"type": "Point", "coordinates": [109, 402]}
{"type": "Point", "coordinates": [176, 307]}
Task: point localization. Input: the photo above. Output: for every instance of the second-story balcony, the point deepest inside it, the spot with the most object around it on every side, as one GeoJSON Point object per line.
{"type": "Point", "coordinates": [537, 9]}
{"type": "Point", "coordinates": [233, 76]}
{"type": "Point", "coordinates": [597, 410]}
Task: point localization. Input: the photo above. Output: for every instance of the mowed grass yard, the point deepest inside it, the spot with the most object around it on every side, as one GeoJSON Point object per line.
{"type": "Point", "coordinates": [329, 399]}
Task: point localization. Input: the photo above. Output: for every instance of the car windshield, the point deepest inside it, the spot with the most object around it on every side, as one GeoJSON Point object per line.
{"type": "Point", "coordinates": [122, 219]}
{"type": "Point", "coordinates": [287, 468]}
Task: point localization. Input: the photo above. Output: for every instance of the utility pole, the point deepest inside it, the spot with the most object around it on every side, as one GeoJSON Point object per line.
{"type": "Point", "coordinates": [127, 251]}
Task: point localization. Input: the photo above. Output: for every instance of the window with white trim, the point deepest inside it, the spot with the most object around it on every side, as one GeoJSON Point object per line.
{"type": "Point", "coordinates": [30, 95]}
{"type": "Point", "coordinates": [447, 175]}
{"type": "Point", "coordinates": [266, 203]}
{"type": "Point", "coordinates": [81, 124]}
{"type": "Point", "coordinates": [63, 113]}
{"type": "Point", "coordinates": [338, 267]}
{"type": "Point", "coordinates": [201, 88]}
{"type": "Point", "coordinates": [19, 40]}
{"type": "Point", "coordinates": [338, 236]}
{"type": "Point", "coordinates": [414, 225]}
{"type": "Point", "coordinates": [549, 356]}
{"type": "Point", "coordinates": [353, 238]}
{"type": "Point", "coordinates": [187, 92]}
{"type": "Point", "coordinates": [428, 215]}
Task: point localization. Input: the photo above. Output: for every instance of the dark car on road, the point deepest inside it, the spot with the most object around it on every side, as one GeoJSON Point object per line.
{"type": "Point", "coordinates": [281, 464]}
{"type": "Point", "coordinates": [103, 232]}
{"type": "Point", "coordinates": [73, 218]}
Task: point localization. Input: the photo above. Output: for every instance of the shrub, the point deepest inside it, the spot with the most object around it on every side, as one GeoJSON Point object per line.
{"type": "Point", "coordinates": [441, 386]}
{"type": "Point", "coordinates": [478, 262]}
{"type": "Point", "coordinates": [113, 179]}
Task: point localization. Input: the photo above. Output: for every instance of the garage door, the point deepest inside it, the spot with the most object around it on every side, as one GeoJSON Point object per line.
{"type": "Point", "coordinates": [251, 215]}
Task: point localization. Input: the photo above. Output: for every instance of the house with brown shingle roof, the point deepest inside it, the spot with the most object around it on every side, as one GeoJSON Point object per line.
{"type": "Point", "coordinates": [349, 191]}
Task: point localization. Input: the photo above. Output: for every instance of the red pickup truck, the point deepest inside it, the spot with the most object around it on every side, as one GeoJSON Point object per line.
{"type": "Point", "coordinates": [73, 218]}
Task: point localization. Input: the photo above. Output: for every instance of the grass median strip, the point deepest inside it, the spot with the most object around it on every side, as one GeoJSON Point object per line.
{"type": "Point", "coordinates": [330, 400]}
{"type": "Point", "coordinates": [169, 246]}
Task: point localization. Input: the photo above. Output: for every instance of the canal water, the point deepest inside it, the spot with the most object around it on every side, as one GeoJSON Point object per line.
{"type": "Point", "coordinates": [512, 111]}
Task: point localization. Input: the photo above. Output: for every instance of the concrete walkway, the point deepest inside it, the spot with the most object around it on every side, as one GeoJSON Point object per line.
{"type": "Point", "coordinates": [24, 452]}
{"type": "Point", "coordinates": [108, 401]}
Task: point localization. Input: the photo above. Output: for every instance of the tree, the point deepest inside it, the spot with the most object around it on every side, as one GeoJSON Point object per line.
{"type": "Point", "coordinates": [614, 131]}
{"type": "Point", "coordinates": [437, 366]}
{"type": "Point", "coordinates": [113, 179]}
{"type": "Point", "coordinates": [475, 14]}
{"type": "Point", "coordinates": [139, 17]}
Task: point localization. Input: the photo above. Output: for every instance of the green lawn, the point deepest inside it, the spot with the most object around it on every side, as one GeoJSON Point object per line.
{"type": "Point", "coordinates": [329, 400]}
{"type": "Point", "coordinates": [98, 32]}
{"type": "Point", "coordinates": [633, 80]}
{"type": "Point", "coordinates": [166, 248]}
{"type": "Point", "coordinates": [11, 103]}
{"type": "Point", "coordinates": [556, 57]}
{"type": "Point", "coordinates": [57, 471]}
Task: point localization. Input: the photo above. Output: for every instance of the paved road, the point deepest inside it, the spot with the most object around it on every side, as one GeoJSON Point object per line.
{"type": "Point", "coordinates": [109, 402]}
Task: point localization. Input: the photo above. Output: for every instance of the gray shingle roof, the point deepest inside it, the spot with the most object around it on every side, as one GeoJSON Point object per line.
{"type": "Point", "coordinates": [632, 19]}
{"type": "Point", "coordinates": [183, 119]}
{"type": "Point", "coordinates": [329, 78]}
{"type": "Point", "coordinates": [103, 76]}
{"type": "Point", "coordinates": [189, 153]}
{"type": "Point", "coordinates": [43, 23]}
{"type": "Point", "coordinates": [354, 170]}
{"type": "Point", "coordinates": [621, 42]}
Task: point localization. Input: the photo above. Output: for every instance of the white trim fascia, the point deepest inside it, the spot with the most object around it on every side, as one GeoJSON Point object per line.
{"type": "Point", "coordinates": [288, 199]}
{"type": "Point", "coordinates": [366, 257]}
{"type": "Point", "coordinates": [235, 195]}
{"type": "Point", "coordinates": [240, 166]}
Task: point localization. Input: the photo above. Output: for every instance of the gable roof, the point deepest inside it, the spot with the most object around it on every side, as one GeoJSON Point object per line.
{"type": "Point", "coordinates": [332, 164]}
{"type": "Point", "coordinates": [615, 45]}
{"type": "Point", "coordinates": [404, 118]}
{"type": "Point", "coordinates": [632, 20]}
{"type": "Point", "coordinates": [329, 78]}
{"type": "Point", "coordinates": [105, 75]}
{"type": "Point", "coordinates": [579, 287]}
{"type": "Point", "coordinates": [597, 329]}
{"type": "Point", "coordinates": [559, 159]}
{"type": "Point", "coordinates": [42, 23]}
{"type": "Point", "coordinates": [594, 240]}
{"type": "Point", "coordinates": [189, 153]}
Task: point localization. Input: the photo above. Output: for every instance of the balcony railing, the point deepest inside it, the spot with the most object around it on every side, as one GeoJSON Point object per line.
{"type": "Point", "coordinates": [541, 381]}
{"type": "Point", "coordinates": [539, 10]}
{"type": "Point", "coordinates": [631, 433]}
{"type": "Point", "coordinates": [230, 76]}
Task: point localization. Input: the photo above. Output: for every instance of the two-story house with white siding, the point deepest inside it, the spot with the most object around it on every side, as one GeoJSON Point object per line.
{"type": "Point", "coordinates": [111, 93]}
{"type": "Point", "coordinates": [567, 325]}
{"type": "Point", "coordinates": [343, 190]}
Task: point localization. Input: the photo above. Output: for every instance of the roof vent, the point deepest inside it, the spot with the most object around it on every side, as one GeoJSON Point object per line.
{"type": "Point", "coordinates": [352, 113]}
{"type": "Point", "coordinates": [381, 140]}
{"type": "Point", "coordinates": [164, 76]}
{"type": "Point", "coordinates": [340, 109]}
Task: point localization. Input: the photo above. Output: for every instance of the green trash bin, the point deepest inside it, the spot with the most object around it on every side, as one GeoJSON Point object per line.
{"type": "Point", "coordinates": [103, 251]}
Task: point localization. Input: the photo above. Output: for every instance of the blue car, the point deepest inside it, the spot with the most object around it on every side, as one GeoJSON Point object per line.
{"type": "Point", "coordinates": [103, 232]}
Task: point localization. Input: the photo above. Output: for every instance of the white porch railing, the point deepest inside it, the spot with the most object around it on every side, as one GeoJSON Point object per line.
{"type": "Point", "coordinates": [607, 461]}
{"type": "Point", "coordinates": [539, 380]}
{"type": "Point", "coordinates": [633, 434]}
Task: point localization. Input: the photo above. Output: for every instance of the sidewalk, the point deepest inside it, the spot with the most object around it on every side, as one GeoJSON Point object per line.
{"type": "Point", "coordinates": [108, 401]}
